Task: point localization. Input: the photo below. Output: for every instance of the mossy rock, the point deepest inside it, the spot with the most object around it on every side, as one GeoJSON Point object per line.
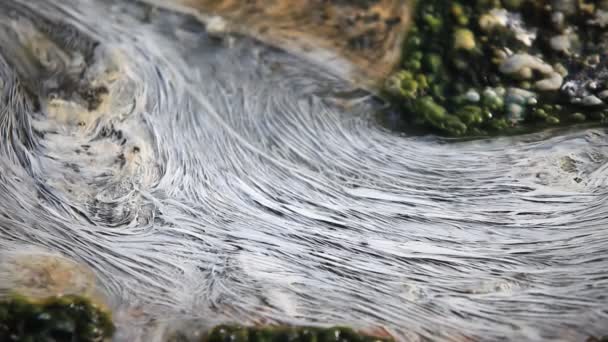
{"type": "Point", "coordinates": [56, 319]}
{"type": "Point", "coordinates": [229, 333]}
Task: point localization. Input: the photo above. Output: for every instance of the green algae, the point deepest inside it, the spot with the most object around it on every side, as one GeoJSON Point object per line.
{"type": "Point", "coordinates": [64, 318]}
{"type": "Point", "coordinates": [459, 74]}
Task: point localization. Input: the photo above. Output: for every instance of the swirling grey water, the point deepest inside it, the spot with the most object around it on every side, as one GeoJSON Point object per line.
{"type": "Point", "coordinates": [221, 180]}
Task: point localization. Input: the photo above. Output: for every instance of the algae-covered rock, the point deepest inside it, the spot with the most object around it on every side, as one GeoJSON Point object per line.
{"type": "Point", "coordinates": [494, 66]}
{"type": "Point", "coordinates": [55, 319]}
{"type": "Point", "coordinates": [226, 333]}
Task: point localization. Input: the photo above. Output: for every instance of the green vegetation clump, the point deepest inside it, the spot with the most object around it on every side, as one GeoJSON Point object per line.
{"type": "Point", "coordinates": [227, 333]}
{"type": "Point", "coordinates": [55, 319]}
{"type": "Point", "coordinates": [74, 318]}
{"type": "Point", "coordinates": [479, 67]}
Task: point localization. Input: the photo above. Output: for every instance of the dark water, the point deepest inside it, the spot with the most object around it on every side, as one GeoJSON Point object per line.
{"type": "Point", "coordinates": [222, 180]}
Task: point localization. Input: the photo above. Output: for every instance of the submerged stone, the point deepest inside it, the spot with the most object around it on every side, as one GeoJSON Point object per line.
{"type": "Point", "coordinates": [549, 55]}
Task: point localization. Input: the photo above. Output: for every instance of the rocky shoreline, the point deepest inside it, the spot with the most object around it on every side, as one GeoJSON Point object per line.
{"type": "Point", "coordinates": [485, 67]}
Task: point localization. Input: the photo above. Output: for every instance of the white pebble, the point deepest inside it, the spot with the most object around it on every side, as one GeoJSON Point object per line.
{"type": "Point", "coordinates": [472, 96]}
{"type": "Point", "coordinates": [560, 43]}
{"type": "Point", "coordinates": [216, 26]}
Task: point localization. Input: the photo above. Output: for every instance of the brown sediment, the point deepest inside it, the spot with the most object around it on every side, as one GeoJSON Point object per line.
{"type": "Point", "coordinates": [359, 40]}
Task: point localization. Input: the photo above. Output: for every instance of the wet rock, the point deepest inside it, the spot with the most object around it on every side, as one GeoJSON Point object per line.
{"type": "Point", "coordinates": [62, 318]}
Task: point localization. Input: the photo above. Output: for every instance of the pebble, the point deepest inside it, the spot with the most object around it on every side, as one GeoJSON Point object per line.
{"type": "Point", "coordinates": [464, 39]}
{"type": "Point", "coordinates": [472, 96]}
{"type": "Point", "coordinates": [518, 96]}
{"type": "Point", "coordinates": [515, 112]}
{"type": "Point", "coordinates": [592, 100]}
{"type": "Point", "coordinates": [603, 94]}
{"type": "Point", "coordinates": [558, 20]}
{"type": "Point", "coordinates": [552, 82]}
{"type": "Point", "coordinates": [489, 92]}
{"type": "Point", "coordinates": [561, 43]}
{"type": "Point", "coordinates": [216, 26]}
{"type": "Point", "coordinates": [580, 117]}
{"type": "Point", "coordinates": [500, 91]}
{"type": "Point", "coordinates": [552, 120]}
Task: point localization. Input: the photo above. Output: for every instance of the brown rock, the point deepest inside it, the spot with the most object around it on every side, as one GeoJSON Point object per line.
{"type": "Point", "coordinates": [357, 40]}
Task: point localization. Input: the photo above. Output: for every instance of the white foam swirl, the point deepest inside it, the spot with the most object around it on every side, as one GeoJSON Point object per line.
{"type": "Point", "coordinates": [227, 181]}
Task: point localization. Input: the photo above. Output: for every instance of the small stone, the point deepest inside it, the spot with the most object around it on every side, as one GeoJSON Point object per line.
{"type": "Point", "coordinates": [464, 39]}
{"type": "Point", "coordinates": [593, 60]}
{"type": "Point", "coordinates": [472, 96]}
{"type": "Point", "coordinates": [515, 112]}
{"type": "Point", "coordinates": [525, 85]}
{"type": "Point", "coordinates": [552, 82]}
{"type": "Point", "coordinates": [491, 100]}
{"type": "Point", "coordinates": [216, 26]}
{"type": "Point", "coordinates": [525, 73]}
{"type": "Point", "coordinates": [541, 113]}
{"type": "Point", "coordinates": [592, 85]}
{"type": "Point", "coordinates": [603, 94]}
{"type": "Point", "coordinates": [552, 120]}
{"type": "Point", "coordinates": [558, 20]}
{"type": "Point", "coordinates": [515, 99]}
{"type": "Point", "coordinates": [490, 93]}
{"type": "Point", "coordinates": [496, 17]}
{"type": "Point", "coordinates": [518, 96]}
{"type": "Point", "coordinates": [578, 117]}
{"type": "Point", "coordinates": [560, 43]}
{"type": "Point", "coordinates": [591, 100]}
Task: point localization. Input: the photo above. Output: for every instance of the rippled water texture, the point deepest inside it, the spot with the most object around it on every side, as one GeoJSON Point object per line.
{"type": "Point", "coordinates": [223, 180]}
